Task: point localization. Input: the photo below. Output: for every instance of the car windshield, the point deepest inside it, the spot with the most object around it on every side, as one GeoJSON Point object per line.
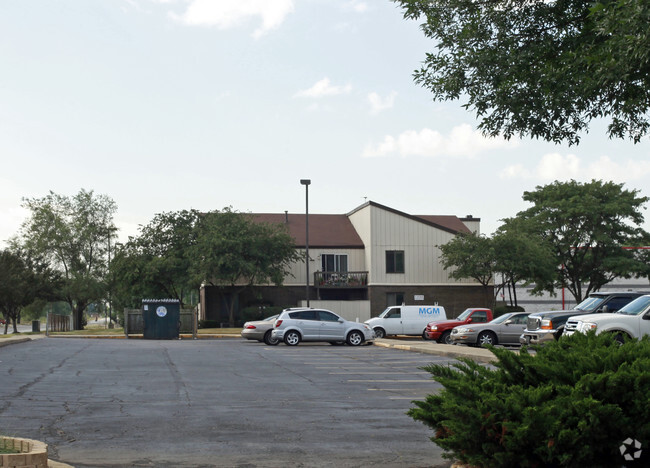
{"type": "Point", "coordinates": [383, 314]}
{"type": "Point", "coordinates": [635, 307]}
{"type": "Point", "coordinates": [591, 303]}
{"type": "Point", "coordinates": [464, 315]}
{"type": "Point", "coordinates": [501, 318]}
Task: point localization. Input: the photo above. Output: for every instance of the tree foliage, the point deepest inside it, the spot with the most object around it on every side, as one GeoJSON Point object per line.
{"type": "Point", "coordinates": [72, 234]}
{"type": "Point", "coordinates": [233, 251]}
{"type": "Point", "coordinates": [540, 68]}
{"type": "Point", "coordinates": [470, 256]}
{"type": "Point", "coordinates": [22, 281]}
{"type": "Point", "coordinates": [587, 227]}
{"type": "Point", "coordinates": [572, 403]}
{"type": "Point", "coordinates": [157, 262]}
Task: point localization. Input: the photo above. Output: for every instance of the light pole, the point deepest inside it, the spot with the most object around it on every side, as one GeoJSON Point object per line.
{"type": "Point", "coordinates": [306, 183]}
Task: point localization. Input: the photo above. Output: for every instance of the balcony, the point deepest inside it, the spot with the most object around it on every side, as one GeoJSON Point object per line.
{"type": "Point", "coordinates": [338, 279]}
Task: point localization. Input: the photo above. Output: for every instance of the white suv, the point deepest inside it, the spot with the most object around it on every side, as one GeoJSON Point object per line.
{"type": "Point", "coordinates": [632, 320]}
{"type": "Point", "coordinates": [296, 325]}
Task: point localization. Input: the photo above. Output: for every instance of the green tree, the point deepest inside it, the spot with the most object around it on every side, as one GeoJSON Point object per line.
{"type": "Point", "coordinates": [540, 68]}
{"type": "Point", "coordinates": [521, 255]}
{"type": "Point", "coordinates": [587, 226]}
{"type": "Point", "coordinates": [157, 262]}
{"type": "Point", "coordinates": [235, 252]}
{"type": "Point", "coordinates": [72, 234]}
{"type": "Point", "coordinates": [22, 281]}
{"type": "Point", "coordinates": [470, 256]}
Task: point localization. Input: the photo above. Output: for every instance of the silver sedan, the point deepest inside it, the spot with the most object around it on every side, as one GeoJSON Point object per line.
{"type": "Point", "coordinates": [504, 329]}
{"type": "Point", "coordinates": [260, 330]}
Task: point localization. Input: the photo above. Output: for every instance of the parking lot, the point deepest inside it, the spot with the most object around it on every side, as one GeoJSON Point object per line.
{"type": "Point", "coordinates": [226, 402]}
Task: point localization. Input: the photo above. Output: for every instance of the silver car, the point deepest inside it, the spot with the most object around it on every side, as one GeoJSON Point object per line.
{"type": "Point", "coordinates": [504, 329]}
{"type": "Point", "coordinates": [260, 330]}
{"type": "Point", "coordinates": [296, 325]}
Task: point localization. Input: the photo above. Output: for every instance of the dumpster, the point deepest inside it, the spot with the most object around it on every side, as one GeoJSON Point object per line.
{"type": "Point", "coordinates": [161, 319]}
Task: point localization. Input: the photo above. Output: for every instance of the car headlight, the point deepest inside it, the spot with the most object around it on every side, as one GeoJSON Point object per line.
{"type": "Point", "coordinates": [461, 330]}
{"type": "Point", "coordinates": [434, 327]}
{"type": "Point", "coordinates": [584, 327]}
{"type": "Point", "coordinates": [547, 324]}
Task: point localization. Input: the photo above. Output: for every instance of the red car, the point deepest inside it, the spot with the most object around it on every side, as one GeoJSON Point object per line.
{"type": "Point", "coordinates": [441, 331]}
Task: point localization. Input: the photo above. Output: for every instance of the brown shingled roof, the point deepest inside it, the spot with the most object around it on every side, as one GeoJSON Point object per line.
{"type": "Point", "coordinates": [324, 230]}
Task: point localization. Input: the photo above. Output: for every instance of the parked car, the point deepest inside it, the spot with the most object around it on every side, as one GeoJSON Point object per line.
{"type": "Point", "coordinates": [543, 327]}
{"type": "Point", "coordinates": [631, 321]}
{"type": "Point", "coordinates": [260, 330]}
{"type": "Point", "coordinates": [405, 320]}
{"type": "Point", "coordinates": [2, 321]}
{"type": "Point", "coordinates": [504, 329]}
{"type": "Point", "coordinates": [296, 325]}
{"type": "Point", "coordinates": [441, 330]}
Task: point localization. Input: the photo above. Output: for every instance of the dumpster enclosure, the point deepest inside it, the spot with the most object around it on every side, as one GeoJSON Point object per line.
{"type": "Point", "coordinates": [161, 319]}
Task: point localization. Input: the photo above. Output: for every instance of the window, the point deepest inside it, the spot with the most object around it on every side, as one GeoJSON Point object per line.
{"type": "Point", "coordinates": [328, 316]}
{"type": "Point", "coordinates": [334, 262]}
{"type": "Point", "coordinates": [394, 261]}
{"type": "Point", "coordinates": [480, 316]}
{"type": "Point", "coordinates": [394, 313]}
{"type": "Point", "coordinates": [395, 298]}
{"type": "Point", "coordinates": [304, 315]}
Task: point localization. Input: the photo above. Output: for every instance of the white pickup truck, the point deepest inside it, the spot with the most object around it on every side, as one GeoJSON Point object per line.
{"type": "Point", "coordinates": [633, 320]}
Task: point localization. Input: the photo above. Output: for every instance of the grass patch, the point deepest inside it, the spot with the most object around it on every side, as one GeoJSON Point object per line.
{"type": "Point", "coordinates": [93, 331]}
{"type": "Point", "coordinates": [214, 331]}
{"type": "Point", "coordinates": [7, 451]}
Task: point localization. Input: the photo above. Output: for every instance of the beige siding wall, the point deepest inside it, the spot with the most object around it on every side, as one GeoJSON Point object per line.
{"type": "Point", "coordinates": [390, 231]}
{"type": "Point", "coordinates": [356, 262]}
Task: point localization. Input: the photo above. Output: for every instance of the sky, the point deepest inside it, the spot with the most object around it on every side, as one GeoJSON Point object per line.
{"type": "Point", "coordinates": [165, 105]}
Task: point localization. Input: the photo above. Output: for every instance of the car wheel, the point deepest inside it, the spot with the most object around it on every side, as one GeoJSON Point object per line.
{"type": "Point", "coordinates": [292, 338]}
{"type": "Point", "coordinates": [619, 338]}
{"type": "Point", "coordinates": [425, 337]}
{"type": "Point", "coordinates": [487, 338]}
{"type": "Point", "coordinates": [445, 337]}
{"type": "Point", "coordinates": [355, 338]}
{"type": "Point", "coordinates": [379, 332]}
{"type": "Point", "coordinates": [269, 340]}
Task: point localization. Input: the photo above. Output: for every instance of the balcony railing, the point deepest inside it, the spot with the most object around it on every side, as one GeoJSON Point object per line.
{"type": "Point", "coordinates": [337, 279]}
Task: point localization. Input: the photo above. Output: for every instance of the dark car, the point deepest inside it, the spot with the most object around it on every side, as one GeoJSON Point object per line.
{"type": "Point", "coordinates": [543, 327]}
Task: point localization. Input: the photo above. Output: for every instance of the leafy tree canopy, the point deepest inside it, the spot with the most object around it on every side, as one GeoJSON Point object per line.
{"type": "Point", "coordinates": [235, 251]}
{"type": "Point", "coordinates": [587, 227]}
{"type": "Point", "coordinates": [540, 68]}
{"type": "Point", "coordinates": [470, 256]}
{"type": "Point", "coordinates": [156, 263]}
{"type": "Point", "coordinates": [72, 234]}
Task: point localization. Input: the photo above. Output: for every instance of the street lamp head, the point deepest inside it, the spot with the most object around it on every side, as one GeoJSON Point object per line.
{"type": "Point", "coordinates": [305, 181]}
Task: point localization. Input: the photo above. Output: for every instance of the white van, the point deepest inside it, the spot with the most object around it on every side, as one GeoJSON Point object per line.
{"type": "Point", "coordinates": [405, 320]}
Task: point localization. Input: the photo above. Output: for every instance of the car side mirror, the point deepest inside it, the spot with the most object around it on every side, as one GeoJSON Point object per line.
{"type": "Point", "coordinates": [646, 316]}
{"type": "Point", "coordinates": [469, 320]}
{"type": "Point", "coordinates": [507, 322]}
{"type": "Point", "coordinates": [605, 309]}
{"type": "Point", "coordinates": [340, 320]}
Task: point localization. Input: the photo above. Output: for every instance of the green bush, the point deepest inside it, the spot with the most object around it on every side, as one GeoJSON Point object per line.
{"type": "Point", "coordinates": [571, 403]}
{"type": "Point", "coordinates": [209, 324]}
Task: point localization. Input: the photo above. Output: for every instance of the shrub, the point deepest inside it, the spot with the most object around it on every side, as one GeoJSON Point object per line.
{"type": "Point", "coordinates": [572, 403]}
{"type": "Point", "coordinates": [209, 324]}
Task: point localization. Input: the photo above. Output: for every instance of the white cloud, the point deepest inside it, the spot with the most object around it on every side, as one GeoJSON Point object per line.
{"type": "Point", "coordinates": [555, 166]}
{"type": "Point", "coordinates": [324, 88]}
{"type": "Point", "coordinates": [516, 171]}
{"type": "Point", "coordinates": [356, 6]}
{"type": "Point", "coordinates": [227, 14]}
{"type": "Point", "coordinates": [462, 141]}
{"type": "Point", "coordinates": [378, 104]}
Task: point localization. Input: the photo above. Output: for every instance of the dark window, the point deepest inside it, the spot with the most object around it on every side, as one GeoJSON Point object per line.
{"type": "Point", "coordinates": [304, 315]}
{"type": "Point", "coordinates": [394, 261]}
{"type": "Point", "coordinates": [480, 316]}
{"type": "Point", "coordinates": [519, 319]}
{"type": "Point", "coordinates": [616, 303]}
{"type": "Point", "coordinates": [394, 313]}
{"type": "Point", "coordinates": [328, 316]}
{"type": "Point", "coordinates": [396, 298]}
{"type": "Point", "coordinates": [334, 262]}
